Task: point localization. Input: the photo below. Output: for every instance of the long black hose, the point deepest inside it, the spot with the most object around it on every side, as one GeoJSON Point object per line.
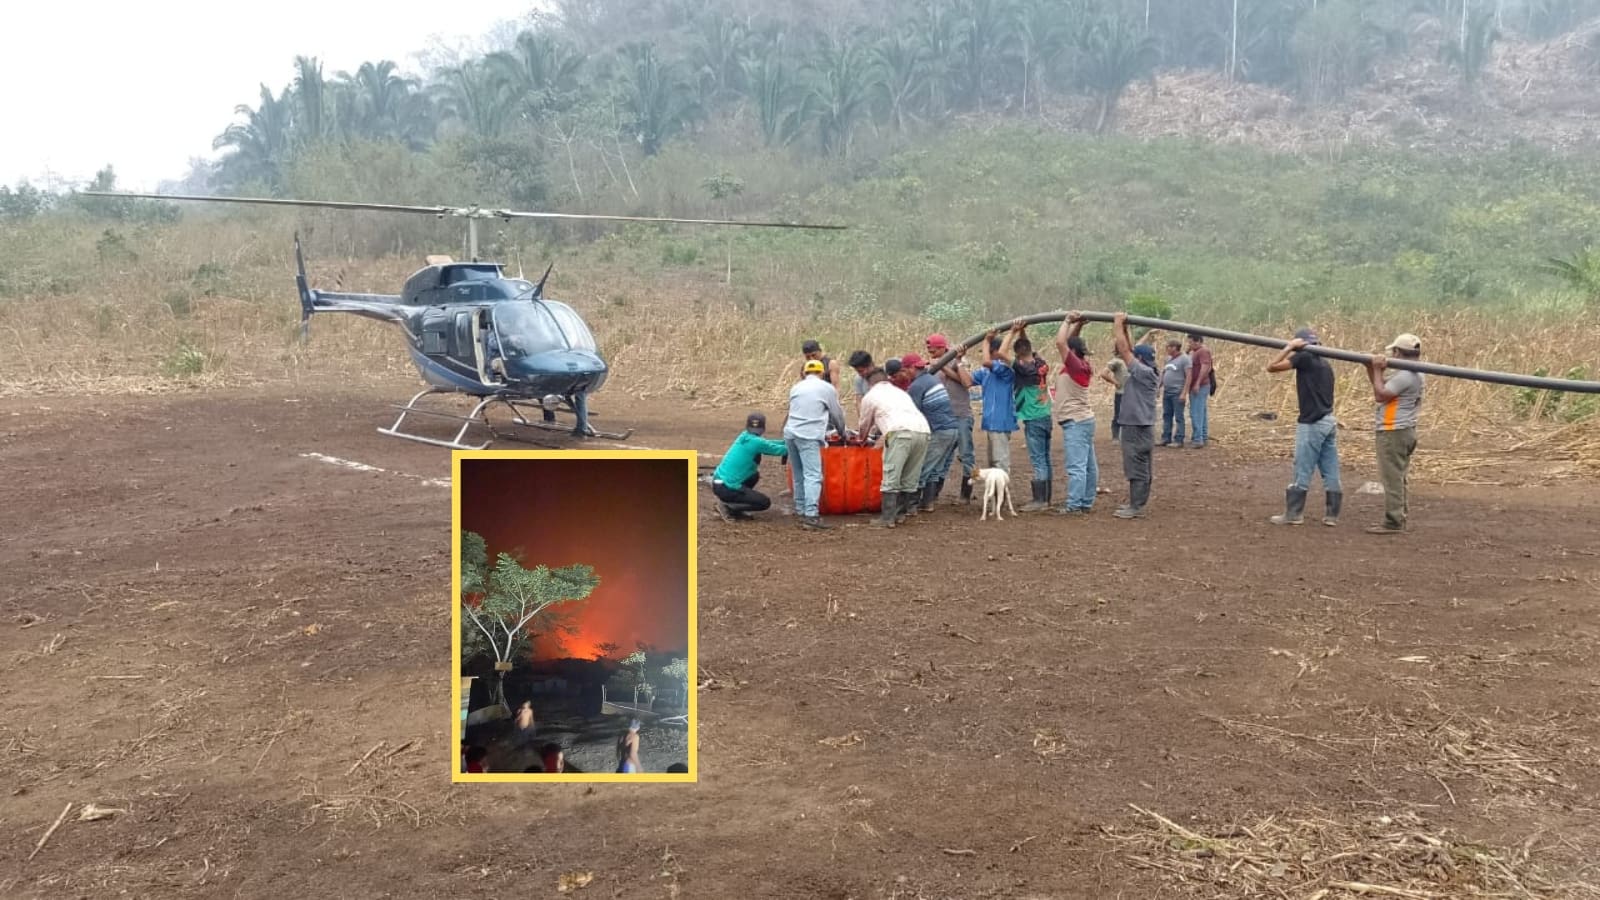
{"type": "Point", "coordinates": [1515, 380]}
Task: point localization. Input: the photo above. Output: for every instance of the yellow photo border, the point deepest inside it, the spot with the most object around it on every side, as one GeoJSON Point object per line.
{"type": "Point", "coordinates": [691, 460]}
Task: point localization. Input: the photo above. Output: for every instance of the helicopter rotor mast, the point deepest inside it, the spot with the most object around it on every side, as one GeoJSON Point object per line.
{"type": "Point", "coordinates": [473, 214]}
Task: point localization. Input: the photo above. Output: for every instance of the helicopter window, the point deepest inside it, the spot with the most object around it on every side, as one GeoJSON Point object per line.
{"type": "Point", "coordinates": [526, 328]}
{"type": "Point", "coordinates": [572, 326]}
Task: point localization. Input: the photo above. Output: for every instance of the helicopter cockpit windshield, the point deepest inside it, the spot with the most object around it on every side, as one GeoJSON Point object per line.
{"type": "Point", "coordinates": [578, 335]}
{"type": "Point", "coordinates": [524, 329]}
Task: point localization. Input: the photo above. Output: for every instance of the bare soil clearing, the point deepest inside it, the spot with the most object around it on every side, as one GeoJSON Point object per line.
{"type": "Point", "coordinates": [207, 626]}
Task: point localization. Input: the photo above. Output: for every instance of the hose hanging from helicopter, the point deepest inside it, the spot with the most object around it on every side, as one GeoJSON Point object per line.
{"type": "Point", "coordinates": [1413, 365]}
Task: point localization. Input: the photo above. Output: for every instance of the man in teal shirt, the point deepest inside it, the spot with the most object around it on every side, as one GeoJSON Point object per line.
{"type": "Point", "coordinates": [734, 480]}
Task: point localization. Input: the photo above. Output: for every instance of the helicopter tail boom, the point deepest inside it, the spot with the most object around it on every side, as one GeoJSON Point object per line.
{"type": "Point", "coordinates": [383, 307]}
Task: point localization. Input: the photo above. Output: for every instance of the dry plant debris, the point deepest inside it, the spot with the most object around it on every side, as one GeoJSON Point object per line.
{"type": "Point", "coordinates": [1320, 858]}
{"type": "Point", "coordinates": [571, 881]}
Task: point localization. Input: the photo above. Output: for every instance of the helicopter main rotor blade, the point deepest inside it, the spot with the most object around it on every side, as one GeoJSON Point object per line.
{"type": "Point", "coordinates": [470, 212]}
{"type": "Point", "coordinates": [514, 214]}
{"type": "Point", "coordinates": [273, 201]}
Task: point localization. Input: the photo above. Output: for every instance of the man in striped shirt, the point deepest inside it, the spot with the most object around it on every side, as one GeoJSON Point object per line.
{"type": "Point", "coordinates": [1399, 400]}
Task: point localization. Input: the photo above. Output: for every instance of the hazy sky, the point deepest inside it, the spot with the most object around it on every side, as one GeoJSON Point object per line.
{"type": "Point", "coordinates": [147, 86]}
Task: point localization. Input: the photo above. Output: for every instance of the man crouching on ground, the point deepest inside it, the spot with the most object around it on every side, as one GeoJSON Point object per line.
{"type": "Point", "coordinates": [734, 481]}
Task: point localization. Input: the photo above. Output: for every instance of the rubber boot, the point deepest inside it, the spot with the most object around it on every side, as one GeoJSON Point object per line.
{"type": "Point", "coordinates": [966, 487]}
{"type": "Point", "coordinates": [886, 516]}
{"type": "Point", "coordinates": [1330, 517]}
{"type": "Point", "coordinates": [903, 503]}
{"type": "Point", "coordinates": [1049, 494]}
{"type": "Point", "coordinates": [1294, 502]}
{"type": "Point", "coordinates": [930, 492]}
{"type": "Point", "coordinates": [1037, 503]}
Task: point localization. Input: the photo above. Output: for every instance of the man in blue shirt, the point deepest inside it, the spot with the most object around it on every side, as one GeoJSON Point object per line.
{"type": "Point", "coordinates": [814, 410]}
{"type": "Point", "coordinates": [734, 480]}
{"type": "Point", "coordinates": [998, 381]}
{"type": "Point", "coordinates": [933, 401]}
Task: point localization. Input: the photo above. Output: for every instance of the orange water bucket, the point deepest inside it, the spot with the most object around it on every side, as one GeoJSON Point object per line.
{"type": "Point", "coordinates": [852, 480]}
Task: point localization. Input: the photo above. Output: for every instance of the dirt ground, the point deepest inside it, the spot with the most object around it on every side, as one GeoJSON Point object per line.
{"type": "Point", "coordinates": [208, 628]}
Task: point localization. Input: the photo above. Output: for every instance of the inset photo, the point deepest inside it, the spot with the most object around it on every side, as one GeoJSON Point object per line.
{"type": "Point", "coordinates": [574, 616]}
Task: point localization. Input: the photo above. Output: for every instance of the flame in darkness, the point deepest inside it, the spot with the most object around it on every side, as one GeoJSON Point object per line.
{"type": "Point", "coordinates": [626, 517]}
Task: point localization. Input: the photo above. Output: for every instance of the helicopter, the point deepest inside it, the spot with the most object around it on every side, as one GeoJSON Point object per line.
{"type": "Point", "coordinates": [472, 329]}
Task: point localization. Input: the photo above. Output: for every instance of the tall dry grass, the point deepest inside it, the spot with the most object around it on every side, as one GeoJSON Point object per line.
{"type": "Point", "coordinates": [212, 307]}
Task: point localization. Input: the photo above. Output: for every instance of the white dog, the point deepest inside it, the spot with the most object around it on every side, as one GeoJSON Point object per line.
{"type": "Point", "coordinates": [996, 488]}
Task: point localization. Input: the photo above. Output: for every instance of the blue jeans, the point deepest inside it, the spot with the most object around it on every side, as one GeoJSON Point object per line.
{"type": "Point", "coordinates": [941, 452]}
{"type": "Point", "coordinates": [1172, 415]}
{"type": "Point", "coordinates": [1197, 414]}
{"type": "Point", "coordinates": [1316, 447]}
{"type": "Point", "coordinates": [965, 450]}
{"type": "Point", "coordinates": [1036, 432]}
{"type": "Point", "coordinates": [805, 461]}
{"type": "Point", "coordinates": [1083, 469]}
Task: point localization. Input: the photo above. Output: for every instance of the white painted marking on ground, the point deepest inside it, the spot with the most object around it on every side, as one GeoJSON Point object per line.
{"type": "Point", "coordinates": [363, 467]}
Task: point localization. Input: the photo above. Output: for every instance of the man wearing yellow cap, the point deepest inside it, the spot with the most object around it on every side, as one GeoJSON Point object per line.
{"type": "Point", "coordinates": [1399, 399]}
{"type": "Point", "coordinates": [813, 410]}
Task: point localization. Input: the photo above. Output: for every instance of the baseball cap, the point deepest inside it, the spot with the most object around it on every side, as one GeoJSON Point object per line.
{"type": "Point", "coordinates": [1145, 352]}
{"type": "Point", "coordinates": [1307, 335]}
{"type": "Point", "coordinates": [811, 347]}
{"type": "Point", "coordinates": [913, 361]}
{"type": "Point", "coordinates": [1408, 342]}
{"type": "Point", "coordinates": [814, 365]}
{"type": "Point", "coordinates": [937, 342]}
{"type": "Point", "coordinates": [756, 422]}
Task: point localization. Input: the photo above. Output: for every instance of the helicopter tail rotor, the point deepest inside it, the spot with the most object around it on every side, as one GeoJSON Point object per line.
{"type": "Point", "coordinates": [305, 289]}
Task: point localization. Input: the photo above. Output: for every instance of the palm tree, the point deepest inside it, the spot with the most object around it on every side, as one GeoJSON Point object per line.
{"type": "Point", "coordinates": [261, 144]}
{"type": "Point", "coordinates": [374, 99]}
{"type": "Point", "coordinates": [903, 63]}
{"type": "Point", "coordinates": [780, 102]}
{"type": "Point", "coordinates": [844, 79]}
{"type": "Point", "coordinates": [1471, 55]}
{"type": "Point", "coordinates": [1581, 271]}
{"type": "Point", "coordinates": [539, 75]}
{"type": "Point", "coordinates": [1114, 57]}
{"type": "Point", "coordinates": [939, 32]}
{"type": "Point", "coordinates": [655, 95]}
{"type": "Point", "coordinates": [718, 49]}
{"type": "Point", "coordinates": [1038, 32]}
{"type": "Point", "coordinates": [982, 28]}
{"type": "Point", "coordinates": [311, 106]}
{"type": "Point", "coordinates": [468, 94]}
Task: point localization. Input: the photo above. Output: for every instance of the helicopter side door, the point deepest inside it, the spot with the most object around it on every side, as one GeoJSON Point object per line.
{"type": "Point", "coordinates": [469, 337]}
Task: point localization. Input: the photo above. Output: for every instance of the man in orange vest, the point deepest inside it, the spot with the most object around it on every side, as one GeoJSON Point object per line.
{"type": "Point", "coordinates": [1399, 400]}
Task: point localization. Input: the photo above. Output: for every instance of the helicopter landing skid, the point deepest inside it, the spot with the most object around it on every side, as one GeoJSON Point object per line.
{"type": "Point", "coordinates": [547, 421]}
{"type": "Point", "coordinates": [477, 417]}
{"type": "Point", "coordinates": [467, 421]}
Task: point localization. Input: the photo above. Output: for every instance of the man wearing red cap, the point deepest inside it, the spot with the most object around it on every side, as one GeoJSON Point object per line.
{"type": "Point", "coordinates": [957, 381]}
